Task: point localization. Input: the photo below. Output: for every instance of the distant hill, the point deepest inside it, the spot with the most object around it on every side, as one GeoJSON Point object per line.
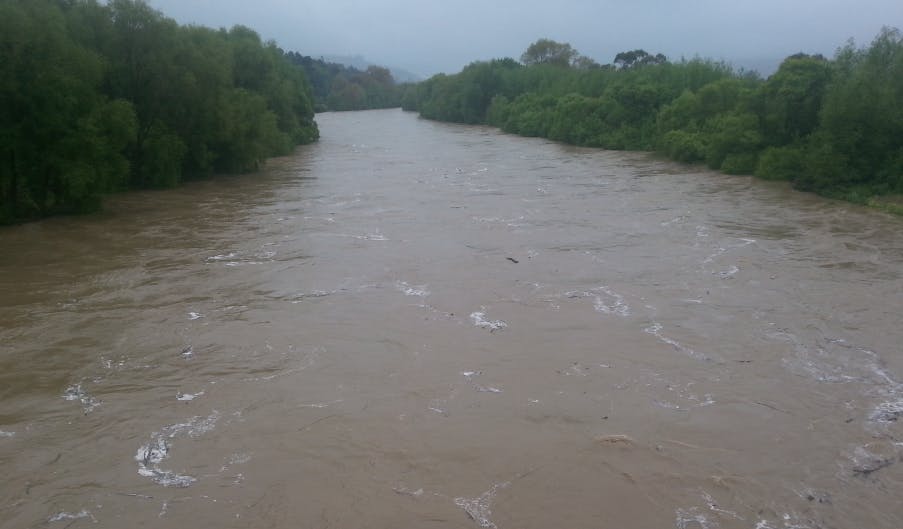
{"type": "Point", "coordinates": [358, 62]}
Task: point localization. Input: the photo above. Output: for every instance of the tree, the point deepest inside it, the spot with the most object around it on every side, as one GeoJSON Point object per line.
{"type": "Point", "coordinates": [792, 97]}
{"type": "Point", "coordinates": [547, 51]}
{"type": "Point", "coordinates": [582, 62]}
{"type": "Point", "coordinates": [630, 59]}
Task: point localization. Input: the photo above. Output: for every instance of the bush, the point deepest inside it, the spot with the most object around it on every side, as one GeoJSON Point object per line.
{"type": "Point", "coordinates": [781, 163]}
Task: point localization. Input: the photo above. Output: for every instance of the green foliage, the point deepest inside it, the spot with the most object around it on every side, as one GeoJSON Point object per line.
{"type": "Point", "coordinates": [465, 97]}
{"type": "Point", "coordinates": [338, 87]}
{"type": "Point", "coordinates": [781, 163]}
{"type": "Point", "coordinates": [635, 58]}
{"type": "Point", "coordinates": [733, 142]}
{"type": "Point", "coordinates": [792, 98]}
{"type": "Point", "coordinates": [859, 143]}
{"type": "Point", "coordinates": [684, 145]}
{"type": "Point", "coordinates": [100, 97]}
{"type": "Point", "coordinates": [547, 51]}
{"type": "Point", "coordinates": [835, 127]}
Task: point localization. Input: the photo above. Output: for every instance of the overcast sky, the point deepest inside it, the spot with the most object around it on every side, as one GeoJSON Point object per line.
{"type": "Point", "coordinates": [431, 36]}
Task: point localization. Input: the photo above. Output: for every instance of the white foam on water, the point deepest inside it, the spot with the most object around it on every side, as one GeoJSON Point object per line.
{"type": "Point", "coordinates": [605, 300]}
{"type": "Point", "coordinates": [479, 508]}
{"type": "Point", "coordinates": [788, 521]}
{"type": "Point", "coordinates": [498, 220]}
{"type": "Point", "coordinates": [235, 258]}
{"type": "Point", "coordinates": [321, 404]}
{"type": "Point", "coordinates": [469, 375]}
{"type": "Point", "coordinates": [887, 412]}
{"type": "Point", "coordinates": [68, 516]}
{"type": "Point", "coordinates": [873, 457]}
{"type": "Point", "coordinates": [6, 434]}
{"type": "Point", "coordinates": [731, 272]}
{"type": "Point", "coordinates": [837, 361]}
{"type": "Point", "coordinates": [718, 253]}
{"type": "Point", "coordinates": [709, 400]}
{"type": "Point", "coordinates": [408, 492]}
{"type": "Point", "coordinates": [713, 506]}
{"type": "Point", "coordinates": [412, 290]}
{"type": "Point", "coordinates": [314, 294]}
{"type": "Point", "coordinates": [187, 397]}
{"type": "Point", "coordinates": [656, 330]}
{"type": "Point", "coordinates": [222, 257]}
{"type": "Point", "coordinates": [722, 250]}
{"type": "Point", "coordinates": [608, 302]}
{"type": "Point", "coordinates": [239, 459]}
{"type": "Point", "coordinates": [236, 459]}
{"type": "Point", "coordinates": [667, 405]}
{"type": "Point", "coordinates": [693, 519]}
{"type": "Point", "coordinates": [576, 369]}
{"type": "Point", "coordinates": [76, 393]}
{"type": "Point", "coordinates": [479, 320]}
{"type": "Point", "coordinates": [150, 456]}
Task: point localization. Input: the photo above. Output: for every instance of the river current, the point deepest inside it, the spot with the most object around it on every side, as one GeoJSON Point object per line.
{"type": "Point", "coordinates": [416, 324]}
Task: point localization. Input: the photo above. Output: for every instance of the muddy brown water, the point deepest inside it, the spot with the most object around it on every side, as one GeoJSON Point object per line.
{"type": "Point", "coordinates": [415, 324]}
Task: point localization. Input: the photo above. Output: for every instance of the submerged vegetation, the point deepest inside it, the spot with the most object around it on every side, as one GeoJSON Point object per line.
{"type": "Point", "coordinates": [830, 126]}
{"type": "Point", "coordinates": [102, 97]}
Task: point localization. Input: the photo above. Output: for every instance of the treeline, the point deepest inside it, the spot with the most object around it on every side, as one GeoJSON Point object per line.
{"type": "Point", "coordinates": [830, 126]}
{"type": "Point", "coordinates": [99, 97]}
{"type": "Point", "coordinates": [340, 87]}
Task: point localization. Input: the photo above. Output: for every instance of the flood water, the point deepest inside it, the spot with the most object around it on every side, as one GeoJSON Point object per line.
{"type": "Point", "coordinates": [416, 324]}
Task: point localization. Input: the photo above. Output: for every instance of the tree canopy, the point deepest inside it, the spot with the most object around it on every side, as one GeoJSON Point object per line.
{"type": "Point", "coordinates": [97, 97]}
{"type": "Point", "coordinates": [830, 126]}
{"type": "Point", "coordinates": [547, 51]}
{"type": "Point", "coordinates": [339, 87]}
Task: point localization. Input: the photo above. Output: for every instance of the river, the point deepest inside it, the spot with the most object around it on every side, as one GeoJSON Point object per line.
{"type": "Point", "coordinates": [417, 324]}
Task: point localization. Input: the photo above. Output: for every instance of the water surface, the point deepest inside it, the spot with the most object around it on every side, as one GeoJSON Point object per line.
{"type": "Point", "coordinates": [414, 324]}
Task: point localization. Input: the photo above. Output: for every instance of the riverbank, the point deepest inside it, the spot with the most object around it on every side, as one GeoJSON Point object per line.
{"type": "Point", "coordinates": [830, 126]}
{"type": "Point", "coordinates": [122, 97]}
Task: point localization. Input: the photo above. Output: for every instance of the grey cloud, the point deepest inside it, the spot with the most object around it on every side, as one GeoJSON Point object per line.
{"type": "Point", "coordinates": [430, 36]}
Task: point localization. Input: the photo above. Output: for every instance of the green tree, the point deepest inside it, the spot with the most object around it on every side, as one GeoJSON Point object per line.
{"type": "Point", "coordinates": [547, 51]}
